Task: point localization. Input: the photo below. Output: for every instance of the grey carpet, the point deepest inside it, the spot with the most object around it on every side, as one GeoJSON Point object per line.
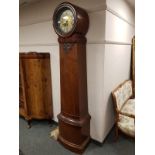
{"type": "Point", "coordinates": [36, 141]}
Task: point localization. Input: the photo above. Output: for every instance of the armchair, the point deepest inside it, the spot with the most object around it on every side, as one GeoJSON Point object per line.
{"type": "Point", "coordinates": [125, 108]}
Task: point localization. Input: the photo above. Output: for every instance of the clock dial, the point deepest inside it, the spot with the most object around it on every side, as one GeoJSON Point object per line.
{"type": "Point", "coordinates": [69, 19]}
{"type": "Point", "coordinates": [66, 21]}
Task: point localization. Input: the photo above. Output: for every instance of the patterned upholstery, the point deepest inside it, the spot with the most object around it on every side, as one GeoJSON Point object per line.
{"type": "Point", "coordinates": [127, 125]}
{"type": "Point", "coordinates": [125, 108]}
{"type": "Point", "coordinates": [129, 107]}
{"type": "Point", "coordinates": [123, 93]}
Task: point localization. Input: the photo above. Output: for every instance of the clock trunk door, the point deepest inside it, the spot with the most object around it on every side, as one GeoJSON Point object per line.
{"type": "Point", "coordinates": [69, 80]}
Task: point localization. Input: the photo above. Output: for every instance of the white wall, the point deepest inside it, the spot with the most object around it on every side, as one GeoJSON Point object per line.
{"type": "Point", "coordinates": [122, 9]}
{"type": "Point", "coordinates": [119, 30]}
{"type": "Point", "coordinates": [95, 76]}
{"type": "Point", "coordinates": [116, 70]}
{"type": "Point", "coordinates": [37, 34]}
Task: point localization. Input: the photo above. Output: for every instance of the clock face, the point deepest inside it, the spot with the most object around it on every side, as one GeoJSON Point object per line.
{"type": "Point", "coordinates": [65, 21]}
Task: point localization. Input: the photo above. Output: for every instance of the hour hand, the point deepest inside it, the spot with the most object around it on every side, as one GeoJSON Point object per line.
{"type": "Point", "coordinates": [65, 23]}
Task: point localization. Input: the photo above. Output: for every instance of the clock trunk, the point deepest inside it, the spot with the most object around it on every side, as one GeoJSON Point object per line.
{"type": "Point", "coordinates": [74, 120]}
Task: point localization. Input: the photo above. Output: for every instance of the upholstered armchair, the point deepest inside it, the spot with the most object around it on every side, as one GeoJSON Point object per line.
{"type": "Point", "coordinates": [125, 108]}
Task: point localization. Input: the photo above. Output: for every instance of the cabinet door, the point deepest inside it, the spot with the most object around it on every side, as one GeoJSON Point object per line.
{"type": "Point", "coordinates": [34, 87]}
{"type": "Point", "coordinates": [37, 75]}
{"type": "Point", "coordinates": [47, 87]}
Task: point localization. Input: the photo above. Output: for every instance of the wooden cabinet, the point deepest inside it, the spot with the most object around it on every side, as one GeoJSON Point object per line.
{"type": "Point", "coordinates": [35, 93]}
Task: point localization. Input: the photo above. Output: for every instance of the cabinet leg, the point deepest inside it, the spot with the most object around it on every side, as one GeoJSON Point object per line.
{"type": "Point", "coordinates": [28, 124]}
{"type": "Point", "coordinates": [50, 122]}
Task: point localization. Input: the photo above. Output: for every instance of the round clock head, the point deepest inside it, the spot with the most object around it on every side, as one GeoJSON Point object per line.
{"type": "Point", "coordinates": [64, 20]}
{"type": "Point", "coordinates": [69, 19]}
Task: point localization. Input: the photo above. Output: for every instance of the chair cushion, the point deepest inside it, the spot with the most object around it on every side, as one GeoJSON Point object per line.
{"type": "Point", "coordinates": [123, 93]}
{"type": "Point", "coordinates": [129, 107]}
{"type": "Point", "coordinates": [127, 125]}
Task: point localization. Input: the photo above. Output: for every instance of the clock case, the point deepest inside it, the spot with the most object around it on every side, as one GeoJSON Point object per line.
{"type": "Point", "coordinates": [74, 119]}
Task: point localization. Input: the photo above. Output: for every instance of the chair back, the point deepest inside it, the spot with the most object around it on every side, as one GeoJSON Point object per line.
{"type": "Point", "coordinates": [122, 93]}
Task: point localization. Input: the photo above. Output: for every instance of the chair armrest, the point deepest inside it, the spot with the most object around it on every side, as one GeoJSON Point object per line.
{"type": "Point", "coordinates": [126, 114]}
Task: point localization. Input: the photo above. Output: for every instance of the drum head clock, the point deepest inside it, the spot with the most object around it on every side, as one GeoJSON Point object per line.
{"type": "Point", "coordinates": [69, 19]}
{"type": "Point", "coordinates": [71, 24]}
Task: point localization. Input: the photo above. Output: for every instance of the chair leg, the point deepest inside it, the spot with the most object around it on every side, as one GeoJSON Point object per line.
{"type": "Point", "coordinates": [50, 122]}
{"type": "Point", "coordinates": [116, 132]}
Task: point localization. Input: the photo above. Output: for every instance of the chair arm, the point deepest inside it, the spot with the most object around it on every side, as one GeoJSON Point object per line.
{"type": "Point", "coordinates": [126, 114]}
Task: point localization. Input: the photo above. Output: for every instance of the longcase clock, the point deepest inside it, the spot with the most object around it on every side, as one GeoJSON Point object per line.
{"type": "Point", "coordinates": [71, 25]}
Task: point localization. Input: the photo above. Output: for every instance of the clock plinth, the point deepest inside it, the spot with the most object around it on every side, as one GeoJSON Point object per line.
{"type": "Point", "coordinates": [74, 133]}
{"type": "Point", "coordinates": [74, 119]}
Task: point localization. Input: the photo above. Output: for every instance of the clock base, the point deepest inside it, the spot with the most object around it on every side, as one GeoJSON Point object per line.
{"type": "Point", "coordinates": [72, 147]}
{"type": "Point", "coordinates": [74, 133]}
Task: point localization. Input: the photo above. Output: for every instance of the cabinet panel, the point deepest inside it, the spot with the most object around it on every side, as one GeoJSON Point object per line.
{"type": "Point", "coordinates": [37, 81]}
